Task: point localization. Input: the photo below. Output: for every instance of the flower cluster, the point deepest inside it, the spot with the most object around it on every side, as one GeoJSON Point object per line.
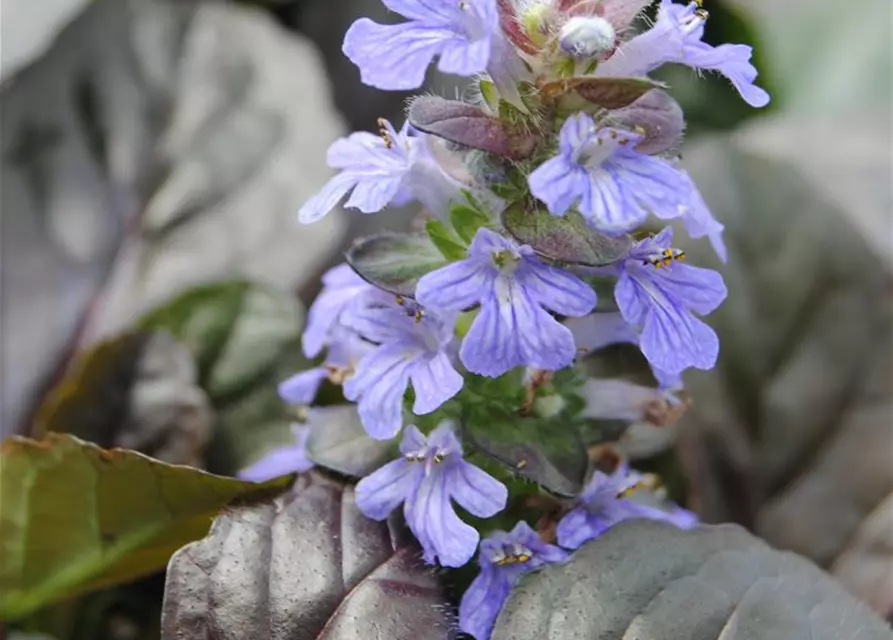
{"type": "Point", "coordinates": [533, 191]}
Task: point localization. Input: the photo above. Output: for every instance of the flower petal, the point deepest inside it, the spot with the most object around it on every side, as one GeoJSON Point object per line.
{"type": "Point", "coordinates": [301, 388]}
{"type": "Point", "coordinates": [476, 491]}
{"type": "Point", "coordinates": [559, 183]}
{"type": "Point", "coordinates": [281, 461]}
{"type": "Point", "coordinates": [632, 300]}
{"type": "Point", "coordinates": [327, 198]}
{"type": "Point", "coordinates": [463, 57]}
{"type": "Point", "coordinates": [482, 602]}
{"type": "Point", "coordinates": [432, 519]}
{"type": "Point", "coordinates": [510, 331]}
{"type": "Point", "coordinates": [351, 151]}
{"type": "Point", "coordinates": [379, 383]}
{"type": "Point", "coordinates": [382, 491]}
{"type": "Point", "coordinates": [598, 330]}
{"type": "Point", "coordinates": [434, 381]}
{"type": "Point", "coordinates": [610, 206]}
{"type": "Point", "coordinates": [373, 193]}
{"type": "Point", "coordinates": [701, 290]}
{"type": "Point", "coordinates": [457, 286]}
{"type": "Point", "coordinates": [393, 57]}
{"type": "Point", "coordinates": [557, 289]}
{"type": "Point", "coordinates": [673, 340]}
{"type": "Point", "coordinates": [575, 528]}
{"type": "Point", "coordinates": [413, 440]}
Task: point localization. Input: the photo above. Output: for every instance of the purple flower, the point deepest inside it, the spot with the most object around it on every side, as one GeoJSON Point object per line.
{"type": "Point", "coordinates": [430, 474]}
{"type": "Point", "coordinates": [301, 388]}
{"type": "Point", "coordinates": [699, 222]}
{"type": "Point", "coordinates": [676, 38]}
{"type": "Point", "coordinates": [411, 347]}
{"type": "Point", "coordinates": [657, 295]}
{"type": "Point", "coordinates": [613, 185]}
{"type": "Point", "coordinates": [396, 56]}
{"type": "Point", "coordinates": [598, 330]}
{"type": "Point", "coordinates": [503, 558]}
{"type": "Point", "coordinates": [282, 460]}
{"type": "Point", "coordinates": [393, 168]}
{"type": "Point", "coordinates": [605, 502]}
{"type": "Point", "coordinates": [341, 288]}
{"type": "Point", "coordinates": [514, 289]}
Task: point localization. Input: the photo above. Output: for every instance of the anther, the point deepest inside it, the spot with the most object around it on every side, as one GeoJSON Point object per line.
{"type": "Point", "coordinates": [383, 132]}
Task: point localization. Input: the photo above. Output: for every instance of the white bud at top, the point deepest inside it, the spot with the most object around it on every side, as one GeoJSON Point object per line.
{"type": "Point", "coordinates": [588, 37]}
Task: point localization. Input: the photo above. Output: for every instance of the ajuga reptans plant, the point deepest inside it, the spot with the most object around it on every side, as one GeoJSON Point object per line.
{"type": "Point", "coordinates": [468, 343]}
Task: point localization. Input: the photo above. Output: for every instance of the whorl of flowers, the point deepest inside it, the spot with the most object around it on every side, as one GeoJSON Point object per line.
{"type": "Point", "coordinates": [536, 194]}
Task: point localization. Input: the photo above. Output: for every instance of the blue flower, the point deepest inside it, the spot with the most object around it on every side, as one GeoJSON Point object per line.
{"type": "Point", "coordinates": [657, 295]}
{"type": "Point", "coordinates": [393, 168]}
{"type": "Point", "coordinates": [676, 37]}
{"type": "Point", "coordinates": [605, 502]}
{"type": "Point", "coordinates": [514, 288]}
{"type": "Point", "coordinates": [412, 346]}
{"type": "Point", "coordinates": [699, 222]}
{"type": "Point", "coordinates": [614, 186]}
{"type": "Point", "coordinates": [430, 474]}
{"type": "Point", "coordinates": [503, 558]}
{"type": "Point", "coordinates": [396, 56]}
{"type": "Point", "coordinates": [342, 287]}
{"type": "Point", "coordinates": [282, 460]}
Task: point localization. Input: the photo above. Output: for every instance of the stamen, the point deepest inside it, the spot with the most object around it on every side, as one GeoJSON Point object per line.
{"type": "Point", "coordinates": [383, 132]}
{"type": "Point", "coordinates": [337, 375]}
{"type": "Point", "coordinates": [664, 258]}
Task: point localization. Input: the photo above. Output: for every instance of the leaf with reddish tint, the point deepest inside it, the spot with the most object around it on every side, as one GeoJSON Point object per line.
{"type": "Point", "coordinates": [306, 564]}
{"type": "Point", "coordinates": [608, 93]}
{"type": "Point", "coordinates": [658, 116]}
{"type": "Point", "coordinates": [470, 126]}
{"type": "Point", "coordinates": [650, 581]}
{"type": "Point", "coordinates": [77, 518]}
{"type": "Point", "coordinates": [564, 238]}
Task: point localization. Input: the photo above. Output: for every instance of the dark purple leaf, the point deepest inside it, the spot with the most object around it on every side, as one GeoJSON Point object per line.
{"type": "Point", "coordinates": [659, 116]}
{"type": "Point", "coordinates": [470, 126]}
{"type": "Point", "coordinates": [608, 93]}
{"type": "Point", "coordinates": [564, 238]}
{"type": "Point", "coordinates": [305, 565]}
{"type": "Point", "coordinates": [650, 581]}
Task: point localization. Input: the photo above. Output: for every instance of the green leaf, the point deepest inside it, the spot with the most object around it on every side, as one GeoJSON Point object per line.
{"type": "Point", "coordinates": [467, 220]}
{"type": "Point", "coordinates": [306, 564]}
{"type": "Point", "coordinates": [489, 93]}
{"type": "Point", "coordinates": [338, 441]}
{"type": "Point", "coordinates": [564, 238]}
{"type": "Point", "coordinates": [235, 330]}
{"type": "Point", "coordinates": [651, 581]}
{"type": "Point", "coordinates": [551, 456]}
{"type": "Point", "coordinates": [444, 240]}
{"type": "Point", "coordinates": [546, 450]}
{"type": "Point", "coordinates": [395, 261]}
{"type": "Point", "coordinates": [77, 517]}
{"type": "Point", "coordinates": [135, 391]}
{"type": "Point", "coordinates": [212, 200]}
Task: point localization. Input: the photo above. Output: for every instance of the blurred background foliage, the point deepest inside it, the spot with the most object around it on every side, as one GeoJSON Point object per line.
{"type": "Point", "coordinates": [155, 154]}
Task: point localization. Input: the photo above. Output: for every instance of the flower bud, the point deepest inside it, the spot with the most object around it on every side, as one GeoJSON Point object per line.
{"type": "Point", "coordinates": [588, 37]}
